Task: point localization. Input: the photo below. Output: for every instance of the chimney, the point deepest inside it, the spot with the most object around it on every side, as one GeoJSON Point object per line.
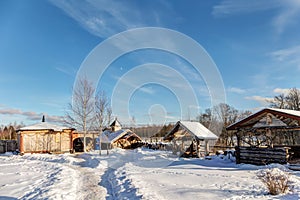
{"type": "Point", "coordinates": [43, 119]}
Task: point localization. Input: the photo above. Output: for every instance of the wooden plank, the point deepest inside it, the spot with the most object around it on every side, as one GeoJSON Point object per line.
{"type": "Point", "coordinates": [263, 153]}
{"type": "Point", "coordinates": [263, 157]}
{"type": "Point", "coordinates": [260, 156]}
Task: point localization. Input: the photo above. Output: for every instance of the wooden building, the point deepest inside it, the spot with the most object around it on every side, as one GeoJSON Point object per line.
{"type": "Point", "coordinates": [116, 137]}
{"type": "Point", "coordinates": [188, 137]}
{"type": "Point", "coordinates": [91, 140]}
{"type": "Point", "coordinates": [269, 135]}
{"type": "Point", "coordinates": [44, 137]}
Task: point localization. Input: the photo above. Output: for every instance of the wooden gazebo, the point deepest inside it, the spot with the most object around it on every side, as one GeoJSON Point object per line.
{"type": "Point", "coordinates": [269, 135]}
{"type": "Point", "coordinates": [188, 137]}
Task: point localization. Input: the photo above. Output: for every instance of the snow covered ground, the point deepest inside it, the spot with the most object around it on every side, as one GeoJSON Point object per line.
{"type": "Point", "coordinates": [132, 174]}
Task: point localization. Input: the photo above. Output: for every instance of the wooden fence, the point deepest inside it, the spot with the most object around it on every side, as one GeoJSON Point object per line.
{"type": "Point", "coordinates": [261, 156]}
{"type": "Point", "coordinates": [8, 146]}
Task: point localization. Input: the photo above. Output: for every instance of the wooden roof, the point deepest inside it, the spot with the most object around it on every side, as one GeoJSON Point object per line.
{"type": "Point", "coordinates": [111, 137]}
{"type": "Point", "coordinates": [279, 118]}
{"type": "Point", "coordinates": [115, 123]}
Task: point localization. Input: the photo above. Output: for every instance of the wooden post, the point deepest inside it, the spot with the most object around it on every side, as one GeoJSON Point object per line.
{"type": "Point", "coordinates": [60, 141]}
{"type": "Point", "coordinates": [238, 139]}
{"type": "Point", "coordinates": [192, 149]}
{"type": "Point", "coordinates": [182, 146]}
{"type": "Point", "coordinates": [198, 149]}
{"type": "Point", "coordinates": [71, 142]}
{"type": "Point", "coordinates": [206, 147]}
{"type": "Point", "coordinates": [107, 148]}
{"type": "Point", "coordinates": [100, 148]}
{"type": "Point", "coordinates": [21, 143]}
{"type": "Point", "coordinates": [237, 155]}
{"type": "Point", "coordinates": [174, 147]}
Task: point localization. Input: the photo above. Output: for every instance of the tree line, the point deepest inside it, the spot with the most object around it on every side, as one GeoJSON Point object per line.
{"type": "Point", "coordinates": [9, 132]}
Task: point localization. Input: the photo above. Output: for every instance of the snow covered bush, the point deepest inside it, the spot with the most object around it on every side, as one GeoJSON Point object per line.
{"type": "Point", "coordinates": [276, 180]}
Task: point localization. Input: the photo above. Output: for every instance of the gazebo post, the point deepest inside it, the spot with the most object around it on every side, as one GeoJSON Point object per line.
{"type": "Point", "coordinates": [107, 148]}
{"type": "Point", "coordinates": [206, 147]}
{"type": "Point", "coordinates": [198, 148]}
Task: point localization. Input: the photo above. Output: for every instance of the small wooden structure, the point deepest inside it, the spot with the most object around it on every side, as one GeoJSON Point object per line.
{"type": "Point", "coordinates": [91, 140]}
{"type": "Point", "coordinates": [44, 137]}
{"type": "Point", "coordinates": [116, 137]}
{"type": "Point", "coordinates": [188, 137]}
{"type": "Point", "coordinates": [269, 135]}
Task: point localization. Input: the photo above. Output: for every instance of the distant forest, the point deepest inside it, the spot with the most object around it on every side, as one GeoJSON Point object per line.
{"type": "Point", "coordinates": [9, 132]}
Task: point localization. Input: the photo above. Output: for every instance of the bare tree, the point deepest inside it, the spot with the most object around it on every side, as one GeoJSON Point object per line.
{"type": "Point", "coordinates": [293, 99]}
{"type": "Point", "coordinates": [102, 111]}
{"type": "Point", "coordinates": [289, 101]}
{"type": "Point", "coordinates": [101, 108]}
{"type": "Point", "coordinates": [278, 102]}
{"type": "Point", "coordinates": [109, 115]}
{"type": "Point", "coordinates": [218, 118]}
{"type": "Point", "coordinates": [227, 115]}
{"type": "Point", "coordinates": [81, 111]}
{"type": "Point", "coordinates": [205, 118]}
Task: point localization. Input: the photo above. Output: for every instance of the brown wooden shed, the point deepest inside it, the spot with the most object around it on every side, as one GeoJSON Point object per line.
{"type": "Point", "coordinates": [44, 137]}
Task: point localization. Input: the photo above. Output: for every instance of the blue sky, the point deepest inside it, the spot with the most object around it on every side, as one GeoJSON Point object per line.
{"type": "Point", "coordinates": [254, 44]}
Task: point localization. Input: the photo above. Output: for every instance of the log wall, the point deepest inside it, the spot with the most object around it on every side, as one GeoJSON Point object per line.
{"type": "Point", "coordinates": [8, 146]}
{"type": "Point", "coordinates": [261, 156]}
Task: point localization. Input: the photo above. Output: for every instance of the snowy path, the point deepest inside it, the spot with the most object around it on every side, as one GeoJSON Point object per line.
{"type": "Point", "coordinates": [89, 172]}
{"type": "Point", "coordinates": [134, 175]}
{"type": "Point", "coordinates": [51, 177]}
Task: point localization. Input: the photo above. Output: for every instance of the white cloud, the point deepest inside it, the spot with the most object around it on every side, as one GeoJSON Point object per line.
{"type": "Point", "coordinates": [104, 18]}
{"type": "Point", "coordinates": [233, 7]}
{"type": "Point", "coordinates": [236, 90]}
{"type": "Point", "coordinates": [287, 11]}
{"type": "Point", "coordinates": [29, 115]}
{"type": "Point", "coordinates": [284, 91]}
{"type": "Point", "coordinates": [288, 15]}
{"type": "Point", "coordinates": [70, 72]}
{"type": "Point", "coordinates": [289, 55]}
{"type": "Point", "coordinates": [265, 101]}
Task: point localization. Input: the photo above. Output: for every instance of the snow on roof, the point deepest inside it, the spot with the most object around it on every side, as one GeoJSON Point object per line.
{"type": "Point", "coordinates": [44, 126]}
{"type": "Point", "coordinates": [285, 111]}
{"type": "Point", "coordinates": [198, 130]}
{"type": "Point", "coordinates": [110, 137]}
{"type": "Point", "coordinates": [115, 123]}
{"type": "Point", "coordinates": [290, 112]}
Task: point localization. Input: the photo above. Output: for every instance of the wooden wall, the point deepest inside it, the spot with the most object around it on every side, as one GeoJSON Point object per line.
{"type": "Point", "coordinates": [261, 156]}
{"type": "Point", "coordinates": [45, 141]}
{"type": "Point", "coordinates": [8, 146]}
